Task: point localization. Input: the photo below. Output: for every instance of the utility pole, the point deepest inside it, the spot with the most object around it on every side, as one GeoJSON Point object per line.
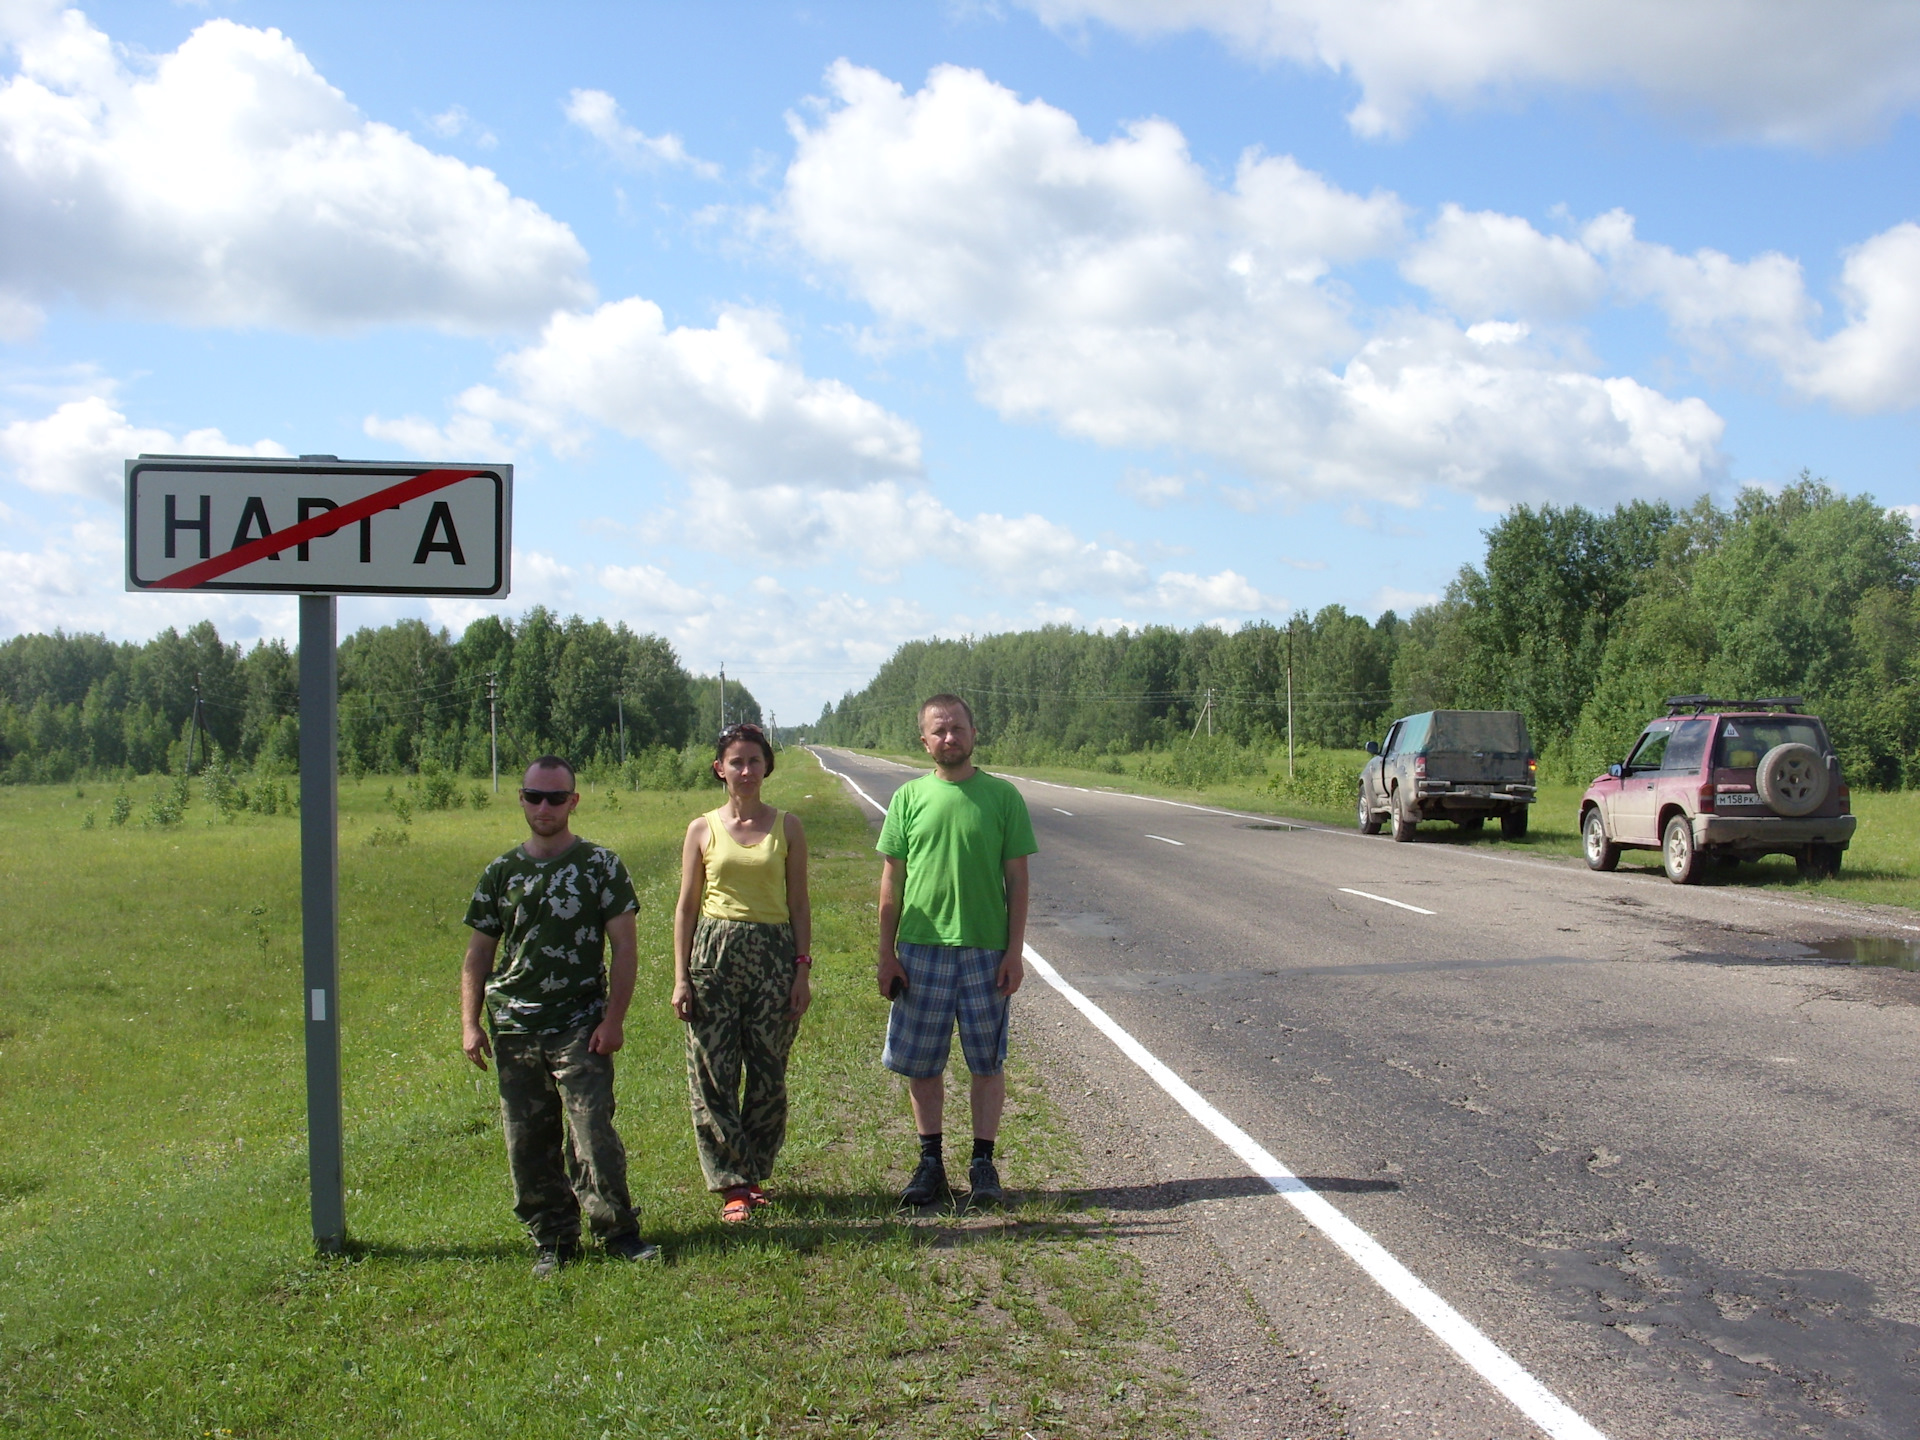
{"type": "Point", "coordinates": [723, 697]}
{"type": "Point", "coordinates": [194, 723]}
{"type": "Point", "coordinates": [1206, 717]}
{"type": "Point", "coordinates": [1289, 699]}
{"type": "Point", "coordinates": [493, 724]}
{"type": "Point", "coordinates": [619, 709]}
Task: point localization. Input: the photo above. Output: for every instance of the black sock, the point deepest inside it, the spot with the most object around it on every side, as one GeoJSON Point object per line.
{"type": "Point", "coordinates": [982, 1149]}
{"type": "Point", "coordinates": [930, 1146]}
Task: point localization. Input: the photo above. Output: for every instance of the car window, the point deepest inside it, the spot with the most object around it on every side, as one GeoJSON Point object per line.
{"type": "Point", "coordinates": [1688, 747]}
{"type": "Point", "coordinates": [1652, 748]}
{"type": "Point", "coordinates": [1393, 737]}
{"type": "Point", "coordinates": [1744, 740]}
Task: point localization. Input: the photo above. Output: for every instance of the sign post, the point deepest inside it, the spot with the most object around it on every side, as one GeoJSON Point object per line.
{"type": "Point", "coordinates": [353, 528]}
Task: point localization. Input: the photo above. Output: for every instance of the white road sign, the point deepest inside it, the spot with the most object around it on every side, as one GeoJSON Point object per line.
{"type": "Point", "coordinates": [318, 526]}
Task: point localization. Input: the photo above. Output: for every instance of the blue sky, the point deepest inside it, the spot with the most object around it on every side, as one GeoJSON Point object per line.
{"type": "Point", "coordinates": [815, 329]}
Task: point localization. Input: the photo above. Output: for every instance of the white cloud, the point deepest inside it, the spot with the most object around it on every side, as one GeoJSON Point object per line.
{"type": "Point", "coordinates": [1789, 73]}
{"type": "Point", "coordinates": [721, 402]}
{"type": "Point", "coordinates": [1153, 490]}
{"type": "Point", "coordinates": [1483, 264]}
{"type": "Point", "coordinates": [227, 183]}
{"type": "Point", "coordinates": [653, 590]}
{"type": "Point", "coordinates": [1113, 290]}
{"type": "Point", "coordinates": [1760, 307]}
{"type": "Point", "coordinates": [1402, 602]}
{"type": "Point", "coordinates": [454, 121]}
{"type": "Point", "coordinates": [598, 113]}
{"type": "Point", "coordinates": [80, 447]}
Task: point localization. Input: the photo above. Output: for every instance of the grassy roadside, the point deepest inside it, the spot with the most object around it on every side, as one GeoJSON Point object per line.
{"type": "Point", "coordinates": [155, 1272]}
{"type": "Point", "coordinates": [1882, 866]}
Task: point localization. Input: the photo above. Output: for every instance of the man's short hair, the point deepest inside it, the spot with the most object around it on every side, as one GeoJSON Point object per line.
{"type": "Point", "coordinates": [945, 699]}
{"type": "Point", "coordinates": [555, 762]}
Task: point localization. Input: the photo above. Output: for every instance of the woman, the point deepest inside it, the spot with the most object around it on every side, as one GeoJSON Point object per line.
{"type": "Point", "coordinates": [740, 968]}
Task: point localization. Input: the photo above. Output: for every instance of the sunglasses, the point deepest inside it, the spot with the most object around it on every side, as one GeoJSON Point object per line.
{"type": "Point", "coordinates": [546, 797]}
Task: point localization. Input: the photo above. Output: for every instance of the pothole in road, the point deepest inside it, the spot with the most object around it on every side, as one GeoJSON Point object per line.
{"type": "Point", "coordinates": [1867, 950]}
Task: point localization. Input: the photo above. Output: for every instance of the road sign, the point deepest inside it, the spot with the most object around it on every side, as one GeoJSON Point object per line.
{"type": "Point", "coordinates": [318, 526]}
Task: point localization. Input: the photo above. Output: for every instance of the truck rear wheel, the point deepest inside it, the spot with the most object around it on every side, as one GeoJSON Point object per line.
{"type": "Point", "coordinates": [1369, 817]}
{"type": "Point", "coordinates": [1513, 824]}
{"type": "Point", "coordinates": [1403, 827]}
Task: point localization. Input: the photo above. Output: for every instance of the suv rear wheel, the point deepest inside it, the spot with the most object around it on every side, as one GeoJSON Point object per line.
{"type": "Point", "coordinates": [1602, 853]}
{"type": "Point", "coordinates": [1682, 861]}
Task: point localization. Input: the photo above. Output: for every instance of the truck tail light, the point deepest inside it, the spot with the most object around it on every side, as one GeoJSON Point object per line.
{"type": "Point", "coordinates": [1532, 766]}
{"type": "Point", "coordinates": [1706, 797]}
{"type": "Point", "coordinates": [1846, 796]}
{"type": "Point", "coordinates": [1420, 767]}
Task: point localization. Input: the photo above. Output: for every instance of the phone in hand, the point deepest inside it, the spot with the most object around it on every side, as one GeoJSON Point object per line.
{"type": "Point", "coordinates": [897, 988]}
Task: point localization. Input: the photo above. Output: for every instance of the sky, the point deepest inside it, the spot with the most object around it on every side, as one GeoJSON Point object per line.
{"type": "Point", "coordinates": [814, 329]}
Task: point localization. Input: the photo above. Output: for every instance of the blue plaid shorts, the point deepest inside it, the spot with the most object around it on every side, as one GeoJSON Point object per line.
{"type": "Point", "coordinates": [945, 983]}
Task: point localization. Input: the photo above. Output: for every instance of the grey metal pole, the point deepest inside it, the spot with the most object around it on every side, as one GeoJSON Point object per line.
{"type": "Point", "coordinates": [320, 913]}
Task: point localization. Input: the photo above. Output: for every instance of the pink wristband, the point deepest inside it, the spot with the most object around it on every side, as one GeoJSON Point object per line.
{"type": "Point", "coordinates": [803, 960]}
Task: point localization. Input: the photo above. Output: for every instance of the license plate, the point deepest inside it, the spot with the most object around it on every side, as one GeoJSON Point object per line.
{"type": "Point", "coordinates": [1724, 800]}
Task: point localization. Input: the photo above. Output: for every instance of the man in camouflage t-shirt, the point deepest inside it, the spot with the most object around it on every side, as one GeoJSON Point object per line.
{"type": "Point", "coordinates": [540, 916]}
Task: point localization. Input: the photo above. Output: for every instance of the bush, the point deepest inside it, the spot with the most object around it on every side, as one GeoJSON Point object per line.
{"type": "Point", "coordinates": [1329, 778]}
{"type": "Point", "coordinates": [479, 797]}
{"type": "Point", "coordinates": [122, 809]}
{"type": "Point", "coordinates": [1202, 761]}
{"type": "Point", "coordinates": [659, 768]}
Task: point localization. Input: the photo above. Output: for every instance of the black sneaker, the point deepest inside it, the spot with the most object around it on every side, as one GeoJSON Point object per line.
{"type": "Point", "coordinates": [928, 1185]}
{"type": "Point", "coordinates": [983, 1184]}
{"type": "Point", "coordinates": [552, 1257]}
{"type": "Point", "coordinates": [631, 1247]}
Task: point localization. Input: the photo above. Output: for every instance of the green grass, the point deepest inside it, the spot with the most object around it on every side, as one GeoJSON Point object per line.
{"type": "Point", "coordinates": [156, 1271]}
{"type": "Point", "coordinates": [1882, 866]}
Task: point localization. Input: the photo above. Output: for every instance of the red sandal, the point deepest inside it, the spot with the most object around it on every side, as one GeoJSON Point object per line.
{"type": "Point", "coordinates": [758, 1196]}
{"type": "Point", "coordinates": [739, 1206]}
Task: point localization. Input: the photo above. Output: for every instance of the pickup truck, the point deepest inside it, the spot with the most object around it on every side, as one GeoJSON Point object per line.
{"type": "Point", "coordinates": [1458, 765]}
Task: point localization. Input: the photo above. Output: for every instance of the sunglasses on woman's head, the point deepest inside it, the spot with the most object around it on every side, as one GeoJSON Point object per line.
{"type": "Point", "coordinates": [546, 797]}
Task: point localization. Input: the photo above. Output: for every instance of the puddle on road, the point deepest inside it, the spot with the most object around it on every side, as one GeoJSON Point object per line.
{"type": "Point", "coordinates": [1269, 827]}
{"type": "Point", "coordinates": [1867, 950]}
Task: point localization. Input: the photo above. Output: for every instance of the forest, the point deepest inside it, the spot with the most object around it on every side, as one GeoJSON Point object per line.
{"type": "Point", "coordinates": [1583, 621]}
{"type": "Point", "coordinates": [411, 698]}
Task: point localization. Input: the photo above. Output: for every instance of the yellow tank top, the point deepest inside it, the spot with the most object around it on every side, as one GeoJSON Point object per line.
{"type": "Point", "coordinates": [746, 882]}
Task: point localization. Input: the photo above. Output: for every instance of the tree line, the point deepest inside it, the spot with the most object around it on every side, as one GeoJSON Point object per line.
{"type": "Point", "coordinates": [1583, 621]}
{"type": "Point", "coordinates": [411, 698]}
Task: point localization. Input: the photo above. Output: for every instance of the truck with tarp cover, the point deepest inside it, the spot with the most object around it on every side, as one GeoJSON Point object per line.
{"type": "Point", "coordinates": [1458, 765]}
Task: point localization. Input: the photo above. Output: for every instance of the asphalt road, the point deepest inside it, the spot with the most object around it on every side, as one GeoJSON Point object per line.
{"type": "Point", "coordinates": [1650, 1140]}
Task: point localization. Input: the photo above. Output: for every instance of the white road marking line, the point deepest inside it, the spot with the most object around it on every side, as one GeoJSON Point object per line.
{"type": "Point", "coordinates": [1384, 901]}
{"type": "Point", "coordinates": [842, 775]}
{"type": "Point", "coordinates": [1058, 811]}
{"type": "Point", "coordinates": [1499, 1369]}
{"type": "Point", "coordinates": [1165, 841]}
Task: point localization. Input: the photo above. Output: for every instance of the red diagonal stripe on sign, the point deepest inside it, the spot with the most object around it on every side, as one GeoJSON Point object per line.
{"type": "Point", "coordinates": [325, 523]}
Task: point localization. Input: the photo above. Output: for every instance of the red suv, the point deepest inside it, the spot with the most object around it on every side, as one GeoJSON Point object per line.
{"type": "Point", "coordinates": [1727, 780]}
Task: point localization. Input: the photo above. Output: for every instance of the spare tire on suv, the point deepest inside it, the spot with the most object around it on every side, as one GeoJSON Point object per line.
{"type": "Point", "coordinates": [1792, 779]}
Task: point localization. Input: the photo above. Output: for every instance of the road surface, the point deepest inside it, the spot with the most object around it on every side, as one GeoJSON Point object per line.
{"type": "Point", "coordinates": [1655, 1146]}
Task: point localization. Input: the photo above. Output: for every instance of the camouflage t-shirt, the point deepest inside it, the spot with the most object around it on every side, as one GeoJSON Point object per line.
{"type": "Point", "coordinates": [550, 971]}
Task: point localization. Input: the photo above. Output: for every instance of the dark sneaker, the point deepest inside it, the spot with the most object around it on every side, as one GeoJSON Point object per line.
{"type": "Point", "coordinates": [552, 1257]}
{"type": "Point", "coordinates": [929, 1184]}
{"type": "Point", "coordinates": [631, 1247]}
{"type": "Point", "coordinates": [983, 1184]}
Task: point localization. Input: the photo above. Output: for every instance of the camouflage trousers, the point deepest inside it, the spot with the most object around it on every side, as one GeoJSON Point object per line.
{"type": "Point", "coordinates": [556, 1106]}
{"type": "Point", "coordinates": [742, 1027]}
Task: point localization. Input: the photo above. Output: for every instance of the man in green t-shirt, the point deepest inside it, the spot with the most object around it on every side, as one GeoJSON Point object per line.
{"type": "Point", "coordinates": [953, 923]}
{"type": "Point", "coordinates": [554, 900]}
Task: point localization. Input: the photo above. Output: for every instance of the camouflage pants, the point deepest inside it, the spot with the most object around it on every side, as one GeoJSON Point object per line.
{"type": "Point", "coordinates": [556, 1105]}
{"type": "Point", "coordinates": [742, 975]}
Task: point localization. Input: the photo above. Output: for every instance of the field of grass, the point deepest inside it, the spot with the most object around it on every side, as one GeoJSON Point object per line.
{"type": "Point", "coordinates": [1882, 867]}
{"type": "Point", "coordinates": [156, 1270]}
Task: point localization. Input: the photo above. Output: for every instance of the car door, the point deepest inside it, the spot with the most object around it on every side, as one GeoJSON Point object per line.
{"type": "Point", "coordinates": [1375, 775]}
{"type": "Point", "coordinates": [1634, 807]}
{"type": "Point", "coordinates": [1680, 766]}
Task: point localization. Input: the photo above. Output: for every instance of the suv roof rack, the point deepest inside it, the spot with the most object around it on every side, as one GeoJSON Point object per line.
{"type": "Point", "coordinates": [1699, 703]}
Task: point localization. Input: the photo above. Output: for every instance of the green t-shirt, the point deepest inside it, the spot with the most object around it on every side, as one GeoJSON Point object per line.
{"type": "Point", "coordinates": [549, 973]}
{"type": "Point", "coordinates": [956, 840]}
